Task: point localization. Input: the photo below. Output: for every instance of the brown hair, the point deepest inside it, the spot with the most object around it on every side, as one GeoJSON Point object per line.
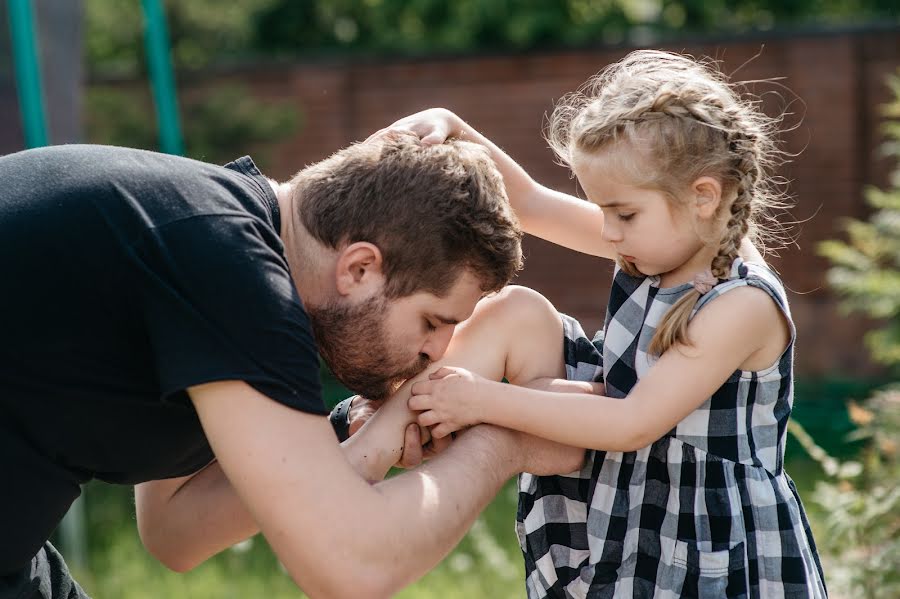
{"type": "Point", "coordinates": [695, 123]}
{"type": "Point", "coordinates": [432, 210]}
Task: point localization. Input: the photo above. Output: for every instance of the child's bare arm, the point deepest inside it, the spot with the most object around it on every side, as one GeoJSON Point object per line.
{"type": "Point", "coordinates": [543, 212]}
{"type": "Point", "coordinates": [677, 384]}
{"type": "Point", "coordinates": [566, 386]}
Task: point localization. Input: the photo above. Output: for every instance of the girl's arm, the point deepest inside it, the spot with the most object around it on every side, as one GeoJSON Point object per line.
{"type": "Point", "coordinates": [682, 379]}
{"type": "Point", "coordinates": [557, 217]}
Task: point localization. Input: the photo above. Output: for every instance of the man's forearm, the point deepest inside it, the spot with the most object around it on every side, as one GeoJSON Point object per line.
{"type": "Point", "coordinates": [183, 524]}
{"type": "Point", "coordinates": [430, 509]}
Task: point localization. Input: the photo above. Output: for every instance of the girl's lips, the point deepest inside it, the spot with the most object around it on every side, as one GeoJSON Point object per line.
{"type": "Point", "coordinates": [628, 258]}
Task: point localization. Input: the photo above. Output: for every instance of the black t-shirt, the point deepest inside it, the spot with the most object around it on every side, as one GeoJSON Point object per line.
{"type": "Point", "coordinates": [125, 277]}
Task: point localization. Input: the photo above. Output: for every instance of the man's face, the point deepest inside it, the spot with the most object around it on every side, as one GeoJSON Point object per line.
{"type": "Point", "coordinates": [375, 345]}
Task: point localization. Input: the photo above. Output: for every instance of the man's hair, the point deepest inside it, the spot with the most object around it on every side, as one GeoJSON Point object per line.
{"type": "Point", "coordinates": [432, 210]}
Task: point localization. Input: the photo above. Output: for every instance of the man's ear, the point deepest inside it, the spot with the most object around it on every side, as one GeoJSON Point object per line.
{"type": "Point", "coordinates": [359, 269]}
{"type": "Point", "coordinates": [708, 193]}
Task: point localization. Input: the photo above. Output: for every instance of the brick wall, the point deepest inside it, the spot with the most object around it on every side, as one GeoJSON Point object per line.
{"type": "Point", "coordinates": [839, 79]}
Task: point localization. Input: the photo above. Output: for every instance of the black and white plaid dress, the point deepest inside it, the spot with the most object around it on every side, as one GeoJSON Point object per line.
{"type": "Point", "coordinates": [706, 511]}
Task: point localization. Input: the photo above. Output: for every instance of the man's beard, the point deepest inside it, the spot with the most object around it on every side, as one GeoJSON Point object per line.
{"type": "Point", "coordinates": [353, 342]}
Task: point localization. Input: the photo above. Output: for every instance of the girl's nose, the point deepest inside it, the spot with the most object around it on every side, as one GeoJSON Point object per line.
{"type": "Point", "coordinates": [611, 233]}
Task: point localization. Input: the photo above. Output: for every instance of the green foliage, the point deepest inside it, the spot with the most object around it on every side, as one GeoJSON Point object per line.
{"type": "Point", "coordinates": [206, 31]}
{"type": "Point", "coordinates": [200, 32]}
{"type": "Point", "coordinates": [860, 502]}
{"type": "Point", "coordinates": [861, 499]}
{"type": "Point", "coordinates": [218, 123]}
{"type": "Point", "coordinates": [438, 25]}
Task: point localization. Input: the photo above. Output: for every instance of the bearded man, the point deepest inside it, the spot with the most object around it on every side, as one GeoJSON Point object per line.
{"type": "Point", "coordinates": [160, 325]}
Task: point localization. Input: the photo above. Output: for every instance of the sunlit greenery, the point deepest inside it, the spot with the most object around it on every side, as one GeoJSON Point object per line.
{"type": "Point", "coordinates": [861, 498]}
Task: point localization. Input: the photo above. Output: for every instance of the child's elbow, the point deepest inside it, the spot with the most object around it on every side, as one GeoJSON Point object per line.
{"type": "Point", "coordinates": [632, 439]}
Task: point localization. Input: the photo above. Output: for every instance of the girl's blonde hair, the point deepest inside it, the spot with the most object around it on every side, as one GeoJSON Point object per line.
{"type": "Point", "coordinates": [691, 122]}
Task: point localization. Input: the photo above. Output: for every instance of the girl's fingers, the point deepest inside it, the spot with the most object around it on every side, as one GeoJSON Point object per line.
{"type": "Point", "coordinates": [377, 134]}
{"type": "Point", "coordinates": [442, 431]}
{"type": "Point", "coordinates": [421, 388]}
{"type": "Point", "coordinates": [428, 418]}
{"type": "Point", "coordinates": [437, 136]}
{"type": "Point", "coordinates": [418, 403]}
{"type": "Point", "coordinates": [441, 372]}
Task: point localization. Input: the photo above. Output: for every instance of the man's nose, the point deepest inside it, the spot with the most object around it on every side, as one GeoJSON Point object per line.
{"type": "Point", "coordinates": [436, 345]}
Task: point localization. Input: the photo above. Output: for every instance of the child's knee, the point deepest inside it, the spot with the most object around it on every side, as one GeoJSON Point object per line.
{"type": "Point", "coordinates": [533, 329]}
{"type": "Point", "coordinates": [520, 307]}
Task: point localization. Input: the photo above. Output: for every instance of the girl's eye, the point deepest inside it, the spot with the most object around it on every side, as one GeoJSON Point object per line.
{"type": "Point", "coordinates": [429, 327]}
{"type": "Point", "coordinates": [626, 217]}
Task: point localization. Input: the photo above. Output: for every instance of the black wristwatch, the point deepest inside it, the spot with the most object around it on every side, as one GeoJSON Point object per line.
{"type": "Point", "coordinates": [340, 418]}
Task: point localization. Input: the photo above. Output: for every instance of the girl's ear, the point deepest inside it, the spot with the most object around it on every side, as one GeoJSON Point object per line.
{"type": "Point", "coordinates": [358, 269]}
{"type": "Point", "coordinates": [708, 194]}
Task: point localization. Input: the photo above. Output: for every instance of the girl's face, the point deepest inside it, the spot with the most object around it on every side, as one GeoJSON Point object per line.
{"type": "Point", "coordinates": [644, 225]}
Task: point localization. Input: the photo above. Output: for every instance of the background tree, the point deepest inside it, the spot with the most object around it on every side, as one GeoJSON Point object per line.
{"type": "Point", "coordinates": [861, 499]}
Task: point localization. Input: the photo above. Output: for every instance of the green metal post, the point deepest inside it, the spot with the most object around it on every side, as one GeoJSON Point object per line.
{"type": "Point", "coordinates": [28, 73]}
{"type": "Point", "coordinates": [159, 61]}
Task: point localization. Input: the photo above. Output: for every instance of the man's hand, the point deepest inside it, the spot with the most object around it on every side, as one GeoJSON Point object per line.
{"type": "Point", "coordinates": [418, 444]}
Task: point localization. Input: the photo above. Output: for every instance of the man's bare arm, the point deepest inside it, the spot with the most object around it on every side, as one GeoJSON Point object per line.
{"type": "Point", "coordinates": [184, 521]}
{"type": "Point", "coordinates": [319, 515]}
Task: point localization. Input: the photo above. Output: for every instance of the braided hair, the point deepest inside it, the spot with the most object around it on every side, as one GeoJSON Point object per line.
{"type": "Point", "coordinates": [695, 123]}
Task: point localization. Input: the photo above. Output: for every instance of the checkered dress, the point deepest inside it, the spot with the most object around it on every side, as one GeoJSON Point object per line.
{"type": "Point", "coordinates": [706, 511]}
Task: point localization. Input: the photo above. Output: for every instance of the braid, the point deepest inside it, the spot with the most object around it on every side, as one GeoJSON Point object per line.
{"type": "Point", "coordinates": [741, 211]}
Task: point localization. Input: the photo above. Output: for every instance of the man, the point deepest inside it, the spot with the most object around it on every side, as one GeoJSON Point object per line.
{"type": "Point", "coordinates": [155, 334]}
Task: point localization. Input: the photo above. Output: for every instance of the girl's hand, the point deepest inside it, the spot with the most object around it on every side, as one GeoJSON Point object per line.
{"type": "Point", "coordinates": [451, 399]}
{"type": "Point", "coordinates": [432, 126]}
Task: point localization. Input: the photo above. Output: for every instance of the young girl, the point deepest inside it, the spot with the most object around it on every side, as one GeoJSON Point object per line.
{"type": "Point", "coordinates": [684, 493]}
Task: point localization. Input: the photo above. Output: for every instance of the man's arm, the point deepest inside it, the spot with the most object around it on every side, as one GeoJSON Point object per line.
{"type": "Point", "coordinates": [184, 521]}
{"type": "Point", "coordinates": [319, 515]}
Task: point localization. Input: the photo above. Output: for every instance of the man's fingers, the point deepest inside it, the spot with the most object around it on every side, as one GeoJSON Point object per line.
{"type": "Point", "coordinates": [439, 445]}
{"type": "Point", "coordinates": [412, 447]}
{"type": "Point", "coordinates": [424, 435]}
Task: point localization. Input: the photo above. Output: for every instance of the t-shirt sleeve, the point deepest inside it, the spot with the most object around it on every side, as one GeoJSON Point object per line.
{"type": "Point", "coordinates": [220, 304]}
